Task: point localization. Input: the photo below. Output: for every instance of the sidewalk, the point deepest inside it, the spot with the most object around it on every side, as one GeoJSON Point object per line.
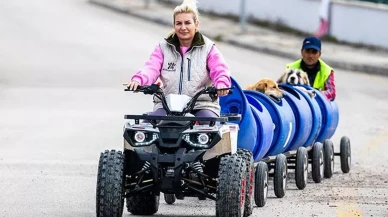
{"type": "Point", "coordinates": [259, 39]}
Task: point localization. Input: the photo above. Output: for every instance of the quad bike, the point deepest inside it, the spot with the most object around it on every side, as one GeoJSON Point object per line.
{"type": "Point", "coordinates": [179, 155]}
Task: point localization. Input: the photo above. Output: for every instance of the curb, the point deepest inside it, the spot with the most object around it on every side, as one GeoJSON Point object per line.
{"type": "Point", "coordinates": [118, 8]}
{"type": "Point", "coordinates": [359, 68]}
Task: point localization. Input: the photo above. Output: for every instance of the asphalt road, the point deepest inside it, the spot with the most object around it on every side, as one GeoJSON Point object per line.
{"type": "Point", "coordinates": [62, 64]}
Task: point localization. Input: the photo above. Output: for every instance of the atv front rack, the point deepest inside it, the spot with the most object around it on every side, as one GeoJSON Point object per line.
{"type": "Point", "coordinates": [191, 120]}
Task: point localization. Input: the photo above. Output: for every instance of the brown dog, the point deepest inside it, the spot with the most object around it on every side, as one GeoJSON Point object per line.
{"type": "Point", "coordinates": [296, 77]}
{"type": "Point", "coordinates": [269, 87]}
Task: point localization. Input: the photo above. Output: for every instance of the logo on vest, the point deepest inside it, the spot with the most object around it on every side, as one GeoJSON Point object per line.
{"type": "Point", "coordinates": [170, 67]}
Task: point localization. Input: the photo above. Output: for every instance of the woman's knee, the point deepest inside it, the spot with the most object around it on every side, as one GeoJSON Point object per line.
{"type": "Point", "coordinates": [157, 112]}
{"type": "Point", "coordinates": [205, 113]}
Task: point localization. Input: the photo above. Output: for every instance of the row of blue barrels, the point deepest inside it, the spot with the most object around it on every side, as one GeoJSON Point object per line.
{"type": "Point", "coordinates": [269, 127]}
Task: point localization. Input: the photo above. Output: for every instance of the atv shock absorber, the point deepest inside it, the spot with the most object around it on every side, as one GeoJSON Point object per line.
{"type": "Point", "coordinates": [146, 166]}
{"type": "Point", "coordinates": [198, 167]}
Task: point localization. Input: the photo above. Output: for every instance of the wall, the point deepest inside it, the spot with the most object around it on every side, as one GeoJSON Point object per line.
{"type": "Point", "coordinates": [360, 23]}
{"type": "Point", "coordinates": [351, 21]}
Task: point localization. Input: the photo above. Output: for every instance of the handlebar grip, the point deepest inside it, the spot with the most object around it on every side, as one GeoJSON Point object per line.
{"type": "Point", "coordinates": [137, 89]}
{"type": "Point", "coordinates": [151, 89]}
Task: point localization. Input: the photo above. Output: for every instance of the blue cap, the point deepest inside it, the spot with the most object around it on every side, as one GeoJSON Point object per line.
{"type": "Point", "coordinates": [312, 42]}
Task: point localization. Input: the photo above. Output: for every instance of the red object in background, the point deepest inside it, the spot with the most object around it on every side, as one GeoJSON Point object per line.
{"type": "Point", "coordinates": [323, 28]}
{"type": "Point", "coordinates": [324, 18]}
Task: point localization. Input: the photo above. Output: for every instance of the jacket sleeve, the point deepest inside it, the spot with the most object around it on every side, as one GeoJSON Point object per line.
{"type": "Point", "coordinates": [218, 70]}
{"type": "Point", "coordinates": [330, 91]}
{"type": "Point", "coordinates": [150, 72]}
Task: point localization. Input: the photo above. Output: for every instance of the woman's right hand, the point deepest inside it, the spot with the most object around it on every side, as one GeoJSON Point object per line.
{"type": "Point", "coordinates": [132, 85]}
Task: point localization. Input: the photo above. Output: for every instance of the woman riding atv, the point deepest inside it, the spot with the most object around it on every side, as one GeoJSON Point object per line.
{"type": "Point", "coordinates": [185, 62]}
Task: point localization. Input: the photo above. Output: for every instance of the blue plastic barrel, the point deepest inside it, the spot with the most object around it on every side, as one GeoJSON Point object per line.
{"type": "Point", "coordinates": [265, 128]}
{"type": "Point", "coordinates": [329, 112]}
{"type": "Point", "coordinates": [316, 117]}
{"type": "Point", "coordinates": [236, 103]}
{"type": "Point", "coordinates": [334, 119]}
{"type": "Point", "coordinates": [283, 119]}
{"type": "Point", "coordinates": [302, 113]}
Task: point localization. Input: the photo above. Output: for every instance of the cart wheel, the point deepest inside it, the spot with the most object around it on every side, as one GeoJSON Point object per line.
{"type": "Point", "coordinates": [261, 184]}
{"type": "Point", "coordinates": [301, 168]}
{"type": "Point", "coordinates": [169, 198]}
{"type": "Point", "coordinates": [346, 154]}
{"type": "Point", "coordinates": [280, 176]}
{"type": "Point", "coordinates": [317, 162]}
{"type": "Point", "coordinates": [328, 153]}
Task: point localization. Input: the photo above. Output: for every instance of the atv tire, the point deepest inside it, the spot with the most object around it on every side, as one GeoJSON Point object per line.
{"type": "Point", "coordinates": [110, 184]}
{"type": "Point", "coordinates": [143, 204]}
{"type": "Point", "coordinates": [250, 178]}
{"type": "Point", "coordinates": [169, 198]}
{"type": "Point", "coordinates": [231, 187]}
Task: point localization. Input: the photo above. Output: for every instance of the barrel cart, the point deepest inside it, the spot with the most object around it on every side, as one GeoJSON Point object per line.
{"type": "Point", "coordinates": [286, 135]}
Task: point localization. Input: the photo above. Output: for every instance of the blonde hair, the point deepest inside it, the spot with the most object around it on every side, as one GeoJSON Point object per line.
{"type": "Point", "coordinates": [188, 6]}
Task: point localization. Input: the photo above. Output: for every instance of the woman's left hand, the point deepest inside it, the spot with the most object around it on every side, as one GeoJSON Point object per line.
{"type": "Point", "coordinates": [222, 92]}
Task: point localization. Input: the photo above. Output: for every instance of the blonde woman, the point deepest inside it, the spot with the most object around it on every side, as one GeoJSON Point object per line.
{"type": "Point", "coordinates": [186, 61]}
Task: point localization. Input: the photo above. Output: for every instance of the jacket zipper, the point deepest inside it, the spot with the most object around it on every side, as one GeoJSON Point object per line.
{"type": "Point", "coordinates": [181, 78]}
{"type": "Point", "coordinates": [188, 68]}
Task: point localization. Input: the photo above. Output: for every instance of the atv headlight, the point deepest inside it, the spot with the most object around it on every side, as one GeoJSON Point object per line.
{"type": "Point", "coordinates": [142, 138]}
{"type": "Point", "coordinates": [201, 140]}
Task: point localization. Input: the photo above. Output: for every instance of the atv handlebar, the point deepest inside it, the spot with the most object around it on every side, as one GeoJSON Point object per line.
{"type": "Point", "coordinates": [155, 89]}
{"type": "Point", "coordinates": [147, 89]}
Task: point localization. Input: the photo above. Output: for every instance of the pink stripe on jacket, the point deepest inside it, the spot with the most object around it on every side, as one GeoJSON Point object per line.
{"type": "Point", "coordinates": [219, 71]}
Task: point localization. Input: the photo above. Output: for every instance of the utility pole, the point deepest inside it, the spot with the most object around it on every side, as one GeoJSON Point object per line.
{"type": "Point", "coordinates": [243, 16]}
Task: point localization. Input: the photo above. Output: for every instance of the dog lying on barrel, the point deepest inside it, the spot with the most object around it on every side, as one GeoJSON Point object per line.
{"type": "Point", "coordinates": [296, 77]}
{"type": "Point", "coordinates": [269, 87]}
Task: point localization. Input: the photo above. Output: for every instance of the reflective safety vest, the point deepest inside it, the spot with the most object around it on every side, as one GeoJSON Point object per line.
{"type": "Point", "coordinates": [320, 78]}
